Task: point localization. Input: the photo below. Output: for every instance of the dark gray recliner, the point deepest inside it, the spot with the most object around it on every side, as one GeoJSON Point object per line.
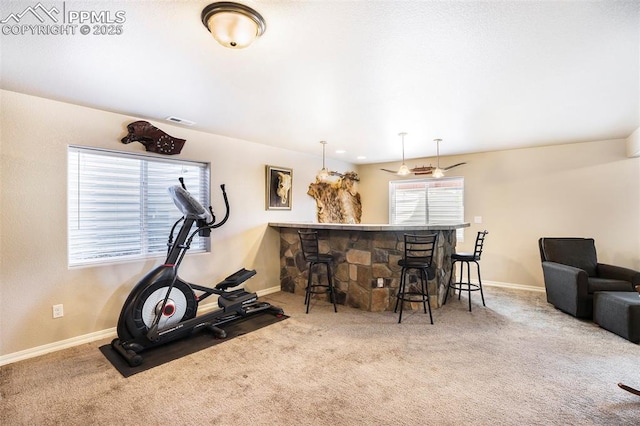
{"type": "Point", "coordinates": [572, 274]}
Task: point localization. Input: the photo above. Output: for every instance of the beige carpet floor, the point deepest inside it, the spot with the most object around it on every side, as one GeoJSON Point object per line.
{"type": "Point", "coordinates": [516, 362]}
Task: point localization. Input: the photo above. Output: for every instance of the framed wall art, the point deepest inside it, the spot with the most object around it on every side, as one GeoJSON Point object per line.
{"type": "Point", "coordinates": [279, 185]}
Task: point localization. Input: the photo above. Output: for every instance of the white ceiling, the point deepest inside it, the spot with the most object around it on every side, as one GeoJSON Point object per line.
{"type": "Point", "coordinates": [481, 75]}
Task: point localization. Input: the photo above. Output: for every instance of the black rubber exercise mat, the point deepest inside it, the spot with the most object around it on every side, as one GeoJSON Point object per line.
{"type": "Point", "coordinates": [154, 357]}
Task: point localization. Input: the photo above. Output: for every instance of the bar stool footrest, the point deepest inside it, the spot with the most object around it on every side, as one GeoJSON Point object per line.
{"type": "Point", "coordinates": [315, 289]}
{"type": "Point", "coordinates": [417, 297]}
{"type": "Point", "coordinates": [465, 286]}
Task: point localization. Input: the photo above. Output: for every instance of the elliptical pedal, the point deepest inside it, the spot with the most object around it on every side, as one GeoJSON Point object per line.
{"type": "Point", "coordinates": [256, 307]}
{"type": "Point", "coordinates": [235, 300]}
{"type": "Point", "coordinates": [235, 279]}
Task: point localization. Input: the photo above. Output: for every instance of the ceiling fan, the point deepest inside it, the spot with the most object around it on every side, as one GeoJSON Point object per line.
{"type": "Point", "coordinates": [436, 171]}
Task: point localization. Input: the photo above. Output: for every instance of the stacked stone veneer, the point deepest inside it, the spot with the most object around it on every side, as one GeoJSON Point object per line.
{"type": "Point", "coordinates": [361, 258]}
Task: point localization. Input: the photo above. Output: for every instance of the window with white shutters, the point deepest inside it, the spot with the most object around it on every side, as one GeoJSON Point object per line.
{"type": "Point", "coordinates": [119, 207]}
{"type": "Point", "coordinates": [427, 201]}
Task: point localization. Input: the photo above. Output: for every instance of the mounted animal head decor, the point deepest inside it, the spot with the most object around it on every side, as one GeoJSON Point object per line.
{"type": "Point", "coordinates": [284, 186]}
{"type": "Point", "coordinates": [279, 185]}
{"type": "Point", "coordinates": [153, 139]}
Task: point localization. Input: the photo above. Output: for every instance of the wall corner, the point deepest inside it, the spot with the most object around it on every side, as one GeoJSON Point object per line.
{"type": "Point", "coordinates": [633, 144]}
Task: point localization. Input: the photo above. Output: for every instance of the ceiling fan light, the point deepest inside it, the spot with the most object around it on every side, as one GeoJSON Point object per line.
{"type": "Point", "coordinates": [233, 25]}
{"type": "Point", "coordinates": [323, 175]}
{"type": "Point", "coordinates": [404, 170]}
{"type": "Point", "coordinates": [437, 173]}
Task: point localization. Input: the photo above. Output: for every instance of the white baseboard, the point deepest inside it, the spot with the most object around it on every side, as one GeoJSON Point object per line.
{"type": "Point", "coordinates": [513, 286]}
{"type": "Point", "coordinates": [92, 337]}
{"type": "Point", "coordinates": [56, 346]}
{"type": "Point", "coordinates": [268, 291]}
{"type": "Point", "coordinates": [487, 283]}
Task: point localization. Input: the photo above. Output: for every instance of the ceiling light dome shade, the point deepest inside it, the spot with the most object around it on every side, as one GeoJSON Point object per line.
{"type": "Point", "coordinates": [437, 173]}
{"type": "Point", "coordinates": [233, 25]}
{"type": "Point", "coordinates": [404, 170]}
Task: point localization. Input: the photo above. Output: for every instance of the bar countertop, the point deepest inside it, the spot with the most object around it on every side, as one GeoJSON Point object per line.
{"type": "Point", "coordinates": [368, 226]}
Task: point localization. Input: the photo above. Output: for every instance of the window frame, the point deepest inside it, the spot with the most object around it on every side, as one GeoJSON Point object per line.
{"type": "Point", "coordinates": [149, 221]}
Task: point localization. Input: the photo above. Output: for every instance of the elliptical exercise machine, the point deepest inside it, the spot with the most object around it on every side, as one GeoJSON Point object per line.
{"type": "Point", "coordinates": [162, 307]}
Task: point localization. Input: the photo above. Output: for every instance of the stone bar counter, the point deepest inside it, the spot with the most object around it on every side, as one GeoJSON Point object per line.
{"type": "Point", "coordinates": [366, 272]}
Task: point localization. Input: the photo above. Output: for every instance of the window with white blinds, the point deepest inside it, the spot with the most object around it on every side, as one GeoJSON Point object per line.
{"type": "Point", "coordinates": [427, 201]}
{"type": "Point", "coordinates": [119, 207]}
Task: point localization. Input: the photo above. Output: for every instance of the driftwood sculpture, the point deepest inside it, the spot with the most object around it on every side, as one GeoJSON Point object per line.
{"type": "Point", "coordinates": [338, 201]}
{"type": "Point", "coordinates": [153, 139]}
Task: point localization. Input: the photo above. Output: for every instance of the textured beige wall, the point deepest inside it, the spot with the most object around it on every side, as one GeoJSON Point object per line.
{"type": "Point", "coordinates": [34, 274]}
{"type": "Point", "coordinates": [585, 189]}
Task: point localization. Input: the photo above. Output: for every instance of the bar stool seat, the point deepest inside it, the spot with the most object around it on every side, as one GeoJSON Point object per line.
{"type": "Point", "coordinates": [312, 255]}
{"type": "Point", "coordinates": [467, 259]}
{"type": "Point", "coordinates": [418, 256]}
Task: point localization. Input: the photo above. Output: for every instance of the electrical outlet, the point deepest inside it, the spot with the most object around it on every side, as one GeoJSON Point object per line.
{"type": "Point", "coordinates": [58, 312]}
{"type": "Point", "coordinates": [380, 282]}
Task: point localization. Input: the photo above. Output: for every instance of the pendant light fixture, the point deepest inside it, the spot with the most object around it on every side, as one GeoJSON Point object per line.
{"type": "Point", "coordinates": [233, 25]}
{"type": "Point", "coordinates": [404, 170]}
{"type": "Point", "coordinates": [324, 173]}
{"type": "Point", "coordinates": [437, 172]}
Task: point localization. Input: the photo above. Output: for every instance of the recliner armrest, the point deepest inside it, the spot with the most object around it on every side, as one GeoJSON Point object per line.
{"type": "Point", "coordinates": [567, 277]}
{"type": "Point", "coordinates": [619, 273]}
{"type": "Point", "coordinates": [567, 288]}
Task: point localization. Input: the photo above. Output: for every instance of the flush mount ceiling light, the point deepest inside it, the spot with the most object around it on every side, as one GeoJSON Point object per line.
{"type": "Point", "coordinates": [324, 173]}
{"type": "Point", "coordinates": [233, 25]}
{"type": "Point", "coordinates": [404, 170]}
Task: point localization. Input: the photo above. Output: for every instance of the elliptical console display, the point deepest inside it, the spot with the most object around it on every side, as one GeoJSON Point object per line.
{"type": "Point", "coordinates": [162, 307]}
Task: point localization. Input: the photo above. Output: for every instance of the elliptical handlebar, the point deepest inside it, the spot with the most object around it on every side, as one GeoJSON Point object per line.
{"type": "Point", "coordinates": [213, 225]}
{"type": "Point", "coordinates": [193, 209]}
{"type": "Point", "coordinates": [193, 213]}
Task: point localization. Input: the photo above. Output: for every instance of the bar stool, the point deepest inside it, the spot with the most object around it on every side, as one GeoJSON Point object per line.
{"type": "Point", "coordinates": [466, 259]}
{"type": "Point", "coordinates": [418, 256]}
{"type": "Point", "coordinates": [312, 255]}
